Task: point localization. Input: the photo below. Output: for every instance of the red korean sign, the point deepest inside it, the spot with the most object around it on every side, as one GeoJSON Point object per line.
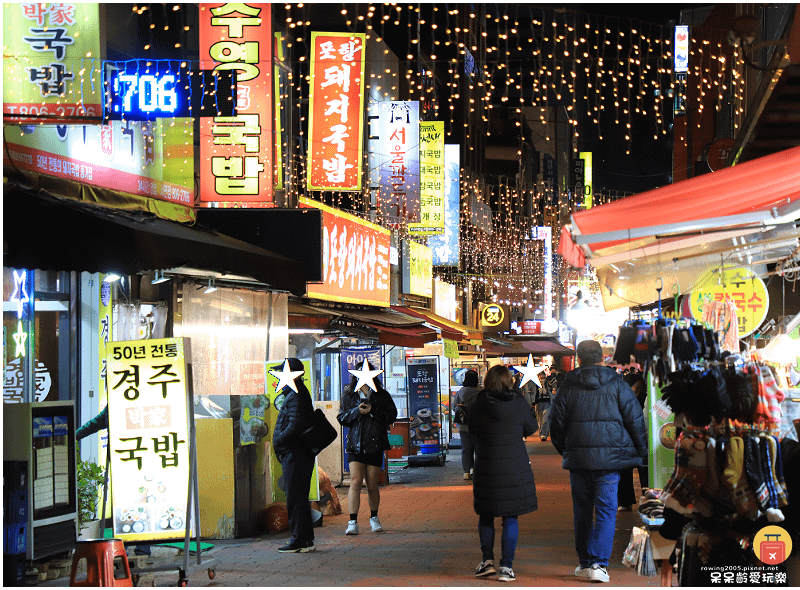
{"type": "Point", "coordinates": [355, 259]}
{"type": "Point", "coordinates": [336, 111]}
{"type": "Point", "coordinates": [236, 152]}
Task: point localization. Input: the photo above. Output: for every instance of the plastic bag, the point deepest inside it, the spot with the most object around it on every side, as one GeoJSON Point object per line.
{"type": "Point", "coordinates": [631, 557]}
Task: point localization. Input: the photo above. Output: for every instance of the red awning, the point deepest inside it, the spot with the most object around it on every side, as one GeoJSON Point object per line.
{"type": "Point", "coordinates": [755, 194]}
{"type": "Point", "coordinates": [546, 347]}
{"type": "Point", "coordinates": [449, 330]}
{"type": "Point", "coordinates": [412, 337]}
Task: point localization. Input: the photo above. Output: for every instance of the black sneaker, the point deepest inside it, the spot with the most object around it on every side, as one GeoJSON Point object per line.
{"type": "Point", "coordinates": [485, 568]}
{"type": "Point", "coordinates": [506, 574]}
{"type": "Point", "coordinates": [297, 547]}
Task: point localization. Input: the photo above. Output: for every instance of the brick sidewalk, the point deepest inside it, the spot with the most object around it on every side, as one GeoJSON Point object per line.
{"type": "Point", "coordinates": [431, 539]}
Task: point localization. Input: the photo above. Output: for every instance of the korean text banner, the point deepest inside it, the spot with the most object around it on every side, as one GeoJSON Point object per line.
{"type": "Point", "coordinates": [148, 158]}
{"type": "Point", "coordinates": [52, 66]}
{"type": "Point", "coordinates": [446, 248]}
{"type": "Point", "coordinates": [394, 159]}
{"type": "Point", "coordinates": [336, 111]}
{"type": "Point", "coordinates": [355, 259]}
{"type": "Point", "coordinates": [431, 170]}
{"type": "Point", "coordinates": [236, 152]}
{"type": "Point", "coordinates": [149, 438]}
{"type": "Point", "coordinates": [417, 269]}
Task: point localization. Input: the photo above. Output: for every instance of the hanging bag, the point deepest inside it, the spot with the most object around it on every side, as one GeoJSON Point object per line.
{"type": "Point", "coordinates": [460, 415]}
{"type": "Point", "coordinates": [318, 433]}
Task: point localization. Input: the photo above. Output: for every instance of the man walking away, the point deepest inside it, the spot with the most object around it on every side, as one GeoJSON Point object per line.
{"type": "Point", "coordinates": [597, 426]}
{"type": "Point", "coordinates": [542, 402]}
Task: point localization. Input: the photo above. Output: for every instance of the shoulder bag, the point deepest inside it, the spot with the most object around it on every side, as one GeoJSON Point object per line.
{"type": "Point", "coordinates": [318, 433]}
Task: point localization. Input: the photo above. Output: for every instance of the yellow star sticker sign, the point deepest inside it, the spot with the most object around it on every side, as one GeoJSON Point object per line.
{"type": "Point", "coordinates": [20, 336]}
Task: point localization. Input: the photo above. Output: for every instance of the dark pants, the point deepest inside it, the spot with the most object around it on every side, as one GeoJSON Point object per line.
{"type": "Point", "coordinates": [298, 466]}
{"type": "Point", "coordinates": [467, 451]}
{"type": "Point", "coordinates": [626, 495]}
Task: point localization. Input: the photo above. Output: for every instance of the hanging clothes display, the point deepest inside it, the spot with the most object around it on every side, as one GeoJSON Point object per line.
{"type": "Point", "coordinates": [722, 317]}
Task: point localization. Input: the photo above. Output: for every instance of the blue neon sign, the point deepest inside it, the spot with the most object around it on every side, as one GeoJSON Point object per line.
{"type": "Point", "coordinates": [143, 90]}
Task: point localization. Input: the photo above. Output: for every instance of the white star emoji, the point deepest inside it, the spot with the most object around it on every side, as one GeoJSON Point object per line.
{"type": "Point", "coordinates": [530, 372]}
{"type": "Point", "coordinates": [285, 376]}
{"type": "Point", "coordinates": [365, 376]}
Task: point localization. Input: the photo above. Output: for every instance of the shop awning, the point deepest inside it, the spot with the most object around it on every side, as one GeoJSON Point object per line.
{"type": "Point", "coordinates": [741, 216]}
{"type": "Point", "coordinates": [42, 231]}
{"type": "Point", "coordinates": [448, 328]}
{"type": "Point", "coordinates": [546, 347]}
{"type": "Point", "coordinates": [387, 327]}
{"type": "Point", "coordinates": [757, 194]}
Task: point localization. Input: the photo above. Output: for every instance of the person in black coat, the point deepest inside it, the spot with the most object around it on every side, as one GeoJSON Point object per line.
{"type": "Point", "coordinates": [597, 426]}
{"type": "Point", "coordinates": [503, 484]}
{"type": "Point", "coordinates": [369, 415]}
{"type": "Point", "coordinates": [296, 460]}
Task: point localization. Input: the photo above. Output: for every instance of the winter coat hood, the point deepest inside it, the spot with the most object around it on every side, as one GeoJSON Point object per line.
{"type": "Point", "coordinates": [591, 376]}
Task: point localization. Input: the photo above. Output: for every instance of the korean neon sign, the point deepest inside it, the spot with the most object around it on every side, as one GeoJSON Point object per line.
{"type": "Point", "coordinates": [56, 69]}
{"type": "Point", "coordinates": [336, 111]}
{"type": "Point", "coordinates": [236, 152]}
{"type": "Point", "coordinates": [355, 259]}
{"type": "Point", "coordinates": [431, 171]}
{"type": "Point", "coordinates": [149, 438]}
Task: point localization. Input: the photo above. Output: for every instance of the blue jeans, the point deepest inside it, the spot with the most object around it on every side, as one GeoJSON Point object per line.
{"type": "Point", "coordinates": [543, 417]}
{"type": "Point", "coordinates": [508, 542]}
{"type": "Point", "coordinates": [594, 508]}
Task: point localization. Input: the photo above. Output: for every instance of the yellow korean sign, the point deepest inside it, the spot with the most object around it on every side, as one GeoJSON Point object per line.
{"type": "Point", "coordinates": [274, 408]}
{"type": "Point", "coordinates": [149, 438]}
{"type": "Point", "coordinates": [746, 290]}
{"type": "Point", "coordinates": [431, 179]}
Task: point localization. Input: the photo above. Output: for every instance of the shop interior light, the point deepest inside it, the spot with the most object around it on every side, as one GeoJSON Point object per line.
{"type": "Point", "coordinates": [111, 277]}
{"type": "Point", "coordinates": [159, 278]}
{"type": "Point", "coordinates": [211, 286]}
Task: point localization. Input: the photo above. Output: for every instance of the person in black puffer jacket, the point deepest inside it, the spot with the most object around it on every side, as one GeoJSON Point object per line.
{"type": "Point", "coordinates": [296, 460]}
{"type": "Point", "coordinates": [368, 414]}
{"type": "Point", "coordinates": [503, 484]}
{"type": "Point", "coordinates": [597, 426]}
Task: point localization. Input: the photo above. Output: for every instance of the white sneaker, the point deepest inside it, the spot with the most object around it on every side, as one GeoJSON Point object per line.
{"type": "Point", "coordinates": [375, 524]}
{"type": "Point", "coordinates": [352, 527]}
{"type": "Point", "coordinates": [598, 573]}
{"type": "Point", "coordinates": [583, 572]}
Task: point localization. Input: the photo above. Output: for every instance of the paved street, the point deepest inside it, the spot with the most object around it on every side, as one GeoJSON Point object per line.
{"type": "Point", "coordinates": [431, 539]}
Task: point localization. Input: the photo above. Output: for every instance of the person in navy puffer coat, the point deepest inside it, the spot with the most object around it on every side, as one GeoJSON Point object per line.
{"type": "Point", "coordinates": [597, 426]}
{"type": "Point", "coordinates": [503, 484]}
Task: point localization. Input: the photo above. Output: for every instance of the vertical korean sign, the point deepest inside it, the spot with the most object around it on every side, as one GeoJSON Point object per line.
{"type": "Point", "coordinates": [423, 399]}
{"type": "Point", "coordinates": [545, 234]}
{"type": "Point", "coordinates": [52, 67]}
{"type": "Point", "coordinates": [236, 152]}
{"type": "Point", "coordinates": [588, 192]}
{"type": "Point", "coordinates": [394, 159]}
{"type": "Point", "coordinates": [336, 111]}
{"type": "Point", "coordinates": [149, 438]}
{"type": "Point", "coordinates": [431, 170]}
{"type": "Point", "coordinates": [446, 248]}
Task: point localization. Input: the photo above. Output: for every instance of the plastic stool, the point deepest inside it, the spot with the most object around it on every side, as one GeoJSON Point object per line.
{"type": "Point", "coordinates": [106, 563]}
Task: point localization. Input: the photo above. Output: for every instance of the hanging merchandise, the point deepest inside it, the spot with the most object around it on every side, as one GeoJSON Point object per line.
{"type": "Point", "coordinates": [722, 317]}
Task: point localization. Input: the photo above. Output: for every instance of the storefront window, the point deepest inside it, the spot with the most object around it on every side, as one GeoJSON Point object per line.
{"type": "Point", "coordinates": [232, 333]}
{"type": "Point", "coordinates": [36, 308]}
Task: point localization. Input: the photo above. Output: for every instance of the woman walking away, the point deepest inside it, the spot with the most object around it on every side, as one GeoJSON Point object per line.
{"type": "Point", "coordinates": [502, 482]}
{"type": "Point", "coordinates": [368, 414]}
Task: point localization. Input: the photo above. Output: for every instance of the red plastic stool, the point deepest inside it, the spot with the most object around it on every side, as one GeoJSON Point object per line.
{"type": "Point", "coordinates": [106, 563]}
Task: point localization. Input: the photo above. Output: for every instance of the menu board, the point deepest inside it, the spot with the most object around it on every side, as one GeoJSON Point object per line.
{"type": "Point", "coordinates": [422, 376]}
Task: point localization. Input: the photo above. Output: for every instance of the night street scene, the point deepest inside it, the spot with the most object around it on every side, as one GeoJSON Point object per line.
{"type": "Point", "coordinates": [384, 294]}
